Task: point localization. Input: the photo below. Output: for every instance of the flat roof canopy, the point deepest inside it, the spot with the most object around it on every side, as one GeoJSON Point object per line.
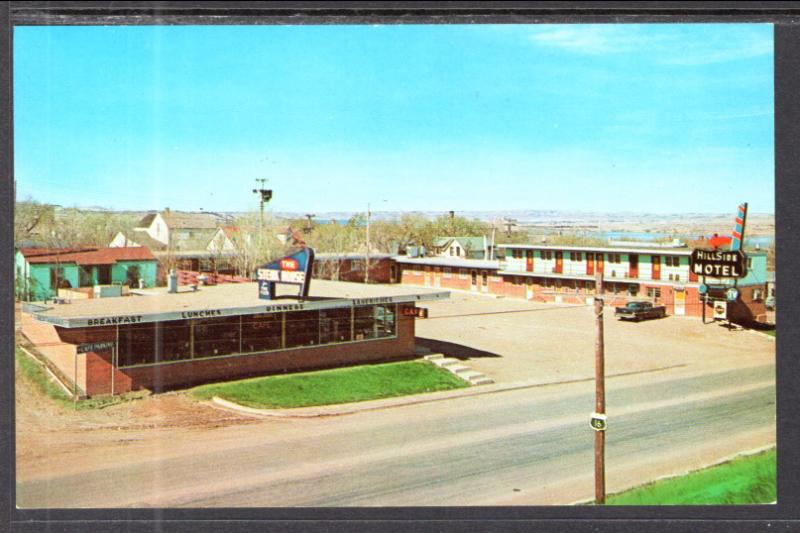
{"type": "Point", "coordinates": [157, 305]}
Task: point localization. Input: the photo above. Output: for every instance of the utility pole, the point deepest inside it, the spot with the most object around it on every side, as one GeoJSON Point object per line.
{"type": "Point", "coordinates": [366, 262]}
{"type": "Point", "coordinates": [494, 230]}
{"type": "Point", "coordinates": [599, 416]}
{"type": "Point", "coordinates": [265, 195]}
{"type": "Point", "coordinates": [509, 224]}
{"type": "Point", "coordinates": [310, 225]}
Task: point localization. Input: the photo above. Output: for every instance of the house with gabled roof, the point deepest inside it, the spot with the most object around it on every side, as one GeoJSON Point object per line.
{"type": "Point", "coordinates": [464, 247]}
{"type": "Point", "coordinates": [177, 226]}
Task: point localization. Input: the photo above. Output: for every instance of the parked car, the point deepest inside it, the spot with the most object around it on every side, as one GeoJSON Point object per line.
{"type": "Point", "coordinates": [640, 311]}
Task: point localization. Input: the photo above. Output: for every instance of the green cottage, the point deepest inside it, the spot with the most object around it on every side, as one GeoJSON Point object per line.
{"type": "Point", "coordinates": [40, 272]}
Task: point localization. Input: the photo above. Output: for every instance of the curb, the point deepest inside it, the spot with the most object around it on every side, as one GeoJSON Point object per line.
{"type": "Point", "coordinates": [385, 403]}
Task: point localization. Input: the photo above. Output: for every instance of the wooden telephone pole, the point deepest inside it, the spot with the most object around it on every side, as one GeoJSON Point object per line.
{"type": "Point", "coordinates": [599, 416]}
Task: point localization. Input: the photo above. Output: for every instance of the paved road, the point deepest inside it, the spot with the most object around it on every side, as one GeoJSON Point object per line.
{"type": "Point", "coordinates": [528, 447]}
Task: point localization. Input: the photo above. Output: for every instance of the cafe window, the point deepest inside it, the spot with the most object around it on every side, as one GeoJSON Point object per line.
{"type": "Point", "coordinates": [216, 336]}
{"type": "Point", "coordinates": [334, 325]}
{"type": "Point", "coordinates": [302, 329]}
{"type": "Point", "coordinates": [156, 342]}
{"type": "Point", "coordinates": [654, 293]}
{"type": "Point", "coordinates": [373, 322]}
{"type": "Point", "coordinates": [261, 332]}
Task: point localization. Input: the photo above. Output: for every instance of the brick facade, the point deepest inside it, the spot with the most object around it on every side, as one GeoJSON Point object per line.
{"type": "Point", "coordinates": [193, 372]}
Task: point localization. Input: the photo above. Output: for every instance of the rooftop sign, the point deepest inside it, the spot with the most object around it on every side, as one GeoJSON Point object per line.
{"type": "Point", "coordinates": [294, 269]}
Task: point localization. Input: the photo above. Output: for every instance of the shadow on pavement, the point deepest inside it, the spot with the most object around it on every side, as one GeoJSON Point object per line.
{"type": "Point", "coordinates": [451, 349]}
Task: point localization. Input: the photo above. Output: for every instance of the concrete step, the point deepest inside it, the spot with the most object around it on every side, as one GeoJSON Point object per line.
{"type": "Point", "coordinates": [485, 380]}
{"type": "Point", "coordinates": [447, 361]}
{"type": "Point", "coordinates": [434, 357]}
{"type": "Point", "coordinates": [458, 370]}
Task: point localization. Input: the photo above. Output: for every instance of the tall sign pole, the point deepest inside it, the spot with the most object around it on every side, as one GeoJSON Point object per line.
{"type": "Point", "coordinates": [599, 416]}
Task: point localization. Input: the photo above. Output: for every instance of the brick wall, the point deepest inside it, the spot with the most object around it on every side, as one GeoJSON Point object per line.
{"type": "Point", "coordinates": [178, 374]}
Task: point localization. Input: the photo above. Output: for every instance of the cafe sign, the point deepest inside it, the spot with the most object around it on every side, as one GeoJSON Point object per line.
{"type": "Point", "coordinates": [718, 263]}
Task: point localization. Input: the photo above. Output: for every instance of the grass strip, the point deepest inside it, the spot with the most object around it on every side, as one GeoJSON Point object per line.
{"type": "Point", "coordinates": [37, 375]}
{"type": "Point", "coordinates": [341, 385]}
{"type": "Point", "coordinates": [745, 480]}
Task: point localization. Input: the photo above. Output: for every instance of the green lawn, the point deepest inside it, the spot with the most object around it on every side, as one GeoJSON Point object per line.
{"type": "Point", "coordinates": [770, 332]}
{"type": "Point", "coordinates": [341, 385]}
{"type": "Point", "coordinates": [746, 480]}
{"type": "Point", "coordinates": [36, 375]}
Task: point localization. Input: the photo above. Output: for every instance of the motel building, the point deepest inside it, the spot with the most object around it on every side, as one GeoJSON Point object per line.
{"type": "Point", "coordinates": [167, 340]}
{"type": "Point", "coordinates": [566, 275]}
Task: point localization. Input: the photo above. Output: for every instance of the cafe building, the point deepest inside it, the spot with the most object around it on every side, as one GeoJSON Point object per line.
{"type": "Point", "coordinates": [159, 340]}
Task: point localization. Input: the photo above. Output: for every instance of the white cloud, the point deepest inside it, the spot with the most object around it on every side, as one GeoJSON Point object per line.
{"type": "Point", "coordinates": [686, 45]}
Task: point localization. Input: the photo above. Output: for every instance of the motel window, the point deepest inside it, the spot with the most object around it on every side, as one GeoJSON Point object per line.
{"type": "Point", "coordinates": [462, 273]}
{"type": "Point", "coordinates": [749, 263]}
{"type": "Point", "coordinates": [84, 276]}
{"type": "Point", "coordinates": [261, 332]}
{"type": "Point", "coordinates": [558, 284]}
{"type": "Point", "coordinates": [133, 275]}
{"type": "Point", "coordinates": [576, 256]}
{"type": "Point", "coordinates": [104, 274]}
{"type": "Point", "coordinates": [447, 272]}
{"type": "Point", "coordinates": [57, 278]}
{"type": "Point", "coordinates": [757, 294]}
{"type": "Point", "coordinates": [546, 254]}
{"type": "Point", "coordinates": [654, 293]}
{"type": "Point", "coordinates": [633, 290]}
{"type": "Point", "coordinates": [356, 265]}
{"type": "Point", "coordinates": [672, 261]}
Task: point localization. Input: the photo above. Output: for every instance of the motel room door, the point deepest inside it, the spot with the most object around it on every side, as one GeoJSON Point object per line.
{"type": "Point", "coordinates": [484, 281]}
{"type": "Point", "coordinates": [427, 280]}
{"type": "Point", "coordinates": [437, 277]}
{"type": "Point", "coordinates": [559, 262]}
{"type": "Point", "coordinates": [529, 260]}
{"type": "Point", "coordinates": [633, 266]}
{"type": "Point", "coordinates": [680, 302]}
{"type": "Point", "coordinates": [529, 292]}
{"type": "Point", "coordinates": [656, 267]}
{"type": "Point", "coordinates": [473, 286]}
{"type": "Point", "coordinates": [589, 264]}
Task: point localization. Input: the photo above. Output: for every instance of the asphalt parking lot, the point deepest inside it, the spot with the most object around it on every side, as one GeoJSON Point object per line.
{"type": "Point", "coordinates": [525, 341]}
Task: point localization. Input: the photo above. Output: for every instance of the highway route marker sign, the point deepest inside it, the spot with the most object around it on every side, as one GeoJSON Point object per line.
{"type": "Point", "coordinates": [598, 422]}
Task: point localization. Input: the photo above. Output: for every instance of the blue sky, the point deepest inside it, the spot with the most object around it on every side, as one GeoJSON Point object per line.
{"type": "Point", "coordinates": [642, 118]}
